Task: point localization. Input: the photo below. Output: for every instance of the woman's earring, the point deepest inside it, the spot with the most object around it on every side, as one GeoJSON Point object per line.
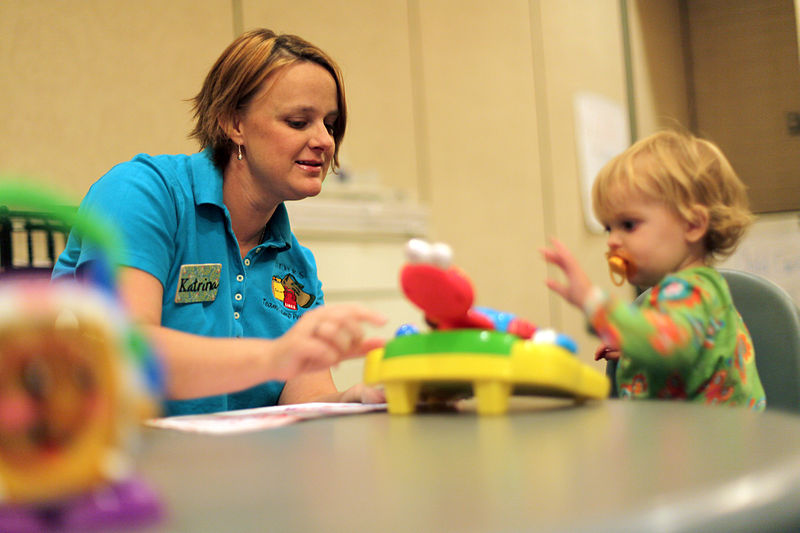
{"type": "Point", "coordinates": [240, 152]}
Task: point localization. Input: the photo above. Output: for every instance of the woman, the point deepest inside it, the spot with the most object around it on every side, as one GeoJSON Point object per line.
{"type": "Point", "coordinates": [212, 269]}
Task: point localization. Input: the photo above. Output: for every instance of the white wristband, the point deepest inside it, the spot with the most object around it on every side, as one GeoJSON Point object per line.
{"type": "Point", "coordinates": [596, 298]}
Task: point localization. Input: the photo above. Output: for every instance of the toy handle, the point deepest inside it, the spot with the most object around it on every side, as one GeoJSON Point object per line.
{"type": "Point", "coordinates": [100, 271]}
{"type": "Point", "coordinates": [14, 192]}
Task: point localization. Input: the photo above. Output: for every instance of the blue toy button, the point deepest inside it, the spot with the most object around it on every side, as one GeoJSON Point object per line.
{"type": "Point", "coordinates": [406, 329]}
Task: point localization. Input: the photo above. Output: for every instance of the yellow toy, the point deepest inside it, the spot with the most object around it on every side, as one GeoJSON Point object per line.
{"type": "Point", "coordinates": [472, 349]}
{"type": "Point", "coordinates": [76, 380]}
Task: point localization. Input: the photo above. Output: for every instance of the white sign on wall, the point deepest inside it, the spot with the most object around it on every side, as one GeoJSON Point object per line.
{"type": "Point", "coordinates": [771, 248]}
{"type": "Point", "coordinates": [601, 132]}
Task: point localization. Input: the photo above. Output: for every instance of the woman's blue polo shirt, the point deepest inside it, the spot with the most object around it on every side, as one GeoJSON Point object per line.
{"type": "Point", "coordinates": [170, 214]}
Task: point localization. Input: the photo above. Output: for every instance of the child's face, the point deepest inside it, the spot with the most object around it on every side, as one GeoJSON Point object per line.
{"type": "Point", "coordinates": [650, 235]}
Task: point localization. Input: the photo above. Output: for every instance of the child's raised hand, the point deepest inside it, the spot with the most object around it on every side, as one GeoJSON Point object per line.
{"type": "Point", "coordinates": [578, 285]}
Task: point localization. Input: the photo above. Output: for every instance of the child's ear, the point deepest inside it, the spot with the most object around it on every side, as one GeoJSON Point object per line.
{"type": "Point", "coordinates": [697, 225]}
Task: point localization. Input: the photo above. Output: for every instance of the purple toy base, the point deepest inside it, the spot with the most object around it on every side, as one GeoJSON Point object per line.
{"type": "Point", "coordinates": [129, 503]}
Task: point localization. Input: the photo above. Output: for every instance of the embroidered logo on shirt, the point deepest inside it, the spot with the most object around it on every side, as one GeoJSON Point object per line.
{"type": "Point", "coordinates": [290, 291]}
{"type": "Point", "coordinates": [198, 283]}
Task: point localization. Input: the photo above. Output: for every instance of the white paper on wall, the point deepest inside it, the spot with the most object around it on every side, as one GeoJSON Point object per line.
{"type": "Point", "coordinates": [601, 132]}
{"type": "Point", "coordinates": [771, 248]}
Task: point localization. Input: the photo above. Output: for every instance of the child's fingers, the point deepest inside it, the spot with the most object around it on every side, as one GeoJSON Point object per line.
{"type": "Point", "coordinates": [558, 255]}
{"type": "Point", "coordinates": [565, 257]}
{"type": "Point", "coordinates": [547, 254]}
{"type": "Point", "coordinates": [558, 246]}
{"type": "Point", "coordinates": [557, 287]}
{"type": "Point", "coordinates": [553, 257]}
{"type": "Point", "coordinates": [604, 351]}
{"type": "Point", "coordinates": [601, 352]}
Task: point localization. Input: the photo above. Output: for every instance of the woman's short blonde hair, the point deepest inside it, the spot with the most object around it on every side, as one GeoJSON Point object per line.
{"type": "Point", "coordinates": [237, 76]}
{"type": "Point", "coordinates": [683, 171]}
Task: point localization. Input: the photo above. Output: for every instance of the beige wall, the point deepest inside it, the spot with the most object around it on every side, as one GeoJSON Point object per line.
{"type": "Point", "coordinates": [86, 84]}
{"type": "Point", "coordinates": [483, 156]}
{"type": "Point", "coordinates": [745, 80]}
{"type": "Point", "coordinates": [658, 65]}
{"type": "Point", "coordinates": [463, 105]}
{"type": "Point", "coordinates": [579, 45]}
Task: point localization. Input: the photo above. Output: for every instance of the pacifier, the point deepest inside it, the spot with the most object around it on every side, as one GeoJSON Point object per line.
{"type": "Point", "coordinates": [619, 268]}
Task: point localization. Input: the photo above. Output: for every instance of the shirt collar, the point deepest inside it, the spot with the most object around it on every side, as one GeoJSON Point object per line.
{"type": "Point", "coordinates": [279, 232]}
{"type": "Point", "coordinates": [207, 185]}
{"type": "Point", "coordinates": [207, 179]}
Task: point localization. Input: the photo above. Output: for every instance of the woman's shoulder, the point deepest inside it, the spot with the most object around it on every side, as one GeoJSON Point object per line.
{"type": "Point", "coordinates": [143, 165]}
{"type": "Point", "coordinates": [145, 172]}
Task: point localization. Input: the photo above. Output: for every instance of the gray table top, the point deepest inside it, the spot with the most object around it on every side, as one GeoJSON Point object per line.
{"type": "Point", "coordinates": [547, 466]}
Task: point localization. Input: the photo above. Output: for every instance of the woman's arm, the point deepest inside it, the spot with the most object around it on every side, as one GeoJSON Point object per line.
{"type": "Point", "coordinates": [302, 356]}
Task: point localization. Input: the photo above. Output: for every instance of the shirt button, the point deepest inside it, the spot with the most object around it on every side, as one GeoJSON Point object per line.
{"type": "Point", "coordinates": [236, 315]}
{"type": "Point", "coordinates": [247, 262]}
{"type": "Point", "coordinates": [238, 296]}
{"type": "Point", "coordinates": [239, 278]}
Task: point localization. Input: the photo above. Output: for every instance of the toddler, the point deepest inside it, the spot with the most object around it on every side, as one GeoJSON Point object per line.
{"type": "Point", "coordinates": [671, 205]}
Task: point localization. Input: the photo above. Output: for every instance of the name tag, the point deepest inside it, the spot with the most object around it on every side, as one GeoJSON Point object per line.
{"type": "Point", "coordinates": [198, 283]}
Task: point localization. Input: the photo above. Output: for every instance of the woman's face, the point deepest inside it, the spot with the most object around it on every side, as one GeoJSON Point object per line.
{"type": "Point", "coordinates": [287, 131]}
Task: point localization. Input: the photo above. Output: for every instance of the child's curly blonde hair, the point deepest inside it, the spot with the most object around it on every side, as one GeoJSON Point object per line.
{"type": "Point", "coordinates": [684, 172]}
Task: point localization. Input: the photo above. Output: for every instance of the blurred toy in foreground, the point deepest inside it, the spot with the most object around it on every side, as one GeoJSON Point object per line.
{"type": "Point", "coordinates": [490, 353]}
{"type": "Point", "coordinates": [76, 380]}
